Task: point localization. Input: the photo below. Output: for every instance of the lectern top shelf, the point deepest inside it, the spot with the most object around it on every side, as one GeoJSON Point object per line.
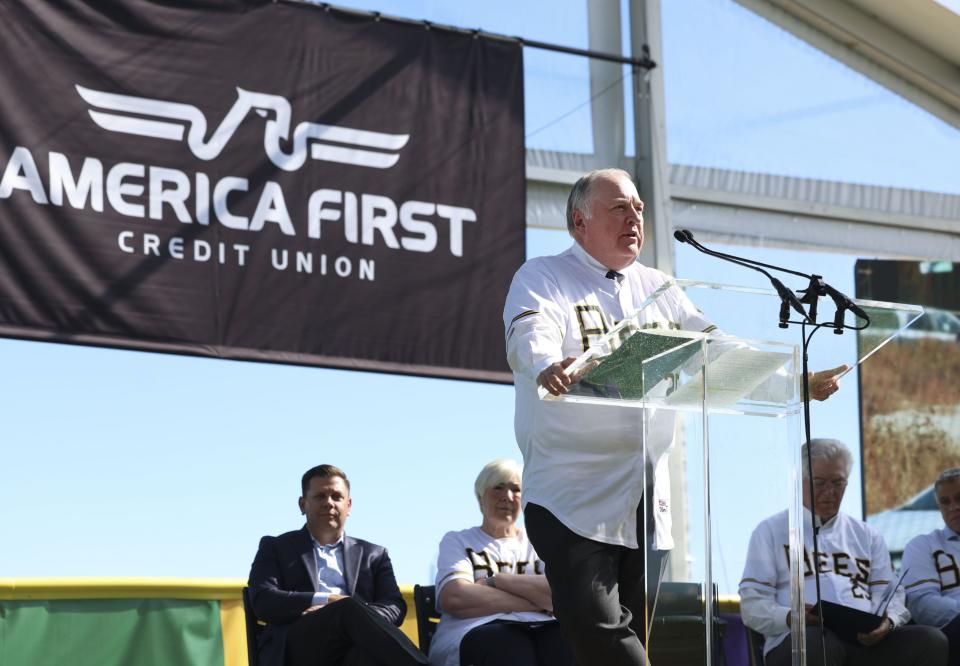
{"type": "Point", "coordinates": [747, 364]}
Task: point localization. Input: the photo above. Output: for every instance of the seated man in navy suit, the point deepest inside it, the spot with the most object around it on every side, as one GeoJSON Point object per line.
{"type": "Point", "coordinates": [327, 598]}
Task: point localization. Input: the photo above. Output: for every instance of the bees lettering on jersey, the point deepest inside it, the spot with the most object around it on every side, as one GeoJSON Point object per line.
{"type": "Point", "coordinates": [856, 569]}
{"type": "Point", "coordinates": [946, 565]}
{"type": "Point", "coordinates": [483, 562]}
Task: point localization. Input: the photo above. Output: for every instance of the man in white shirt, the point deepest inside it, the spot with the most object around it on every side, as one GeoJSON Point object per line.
{"type": "Point", "coordinates": [587, 470]}
{"type": "Point", "coordinates": [327, 598]}
{"type": "Point", "coordinates": [854, 566]}
{"type": "Point", "coordinates": [932, 563]}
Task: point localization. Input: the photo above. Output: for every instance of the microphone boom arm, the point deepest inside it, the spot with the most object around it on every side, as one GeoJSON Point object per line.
{"type": "Point", "coordinates": [788, 299]}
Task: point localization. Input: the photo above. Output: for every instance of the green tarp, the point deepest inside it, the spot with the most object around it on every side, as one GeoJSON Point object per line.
{"type": "Point", "coordinates": [114, 632]}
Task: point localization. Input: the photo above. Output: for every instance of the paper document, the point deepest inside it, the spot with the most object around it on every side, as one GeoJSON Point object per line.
{"type": "Point", "coordinates": [641, 362]}
{"type": "Point", "coordinates": [733, 375]}
{"type": "Point", "coordinates": [847, 622]}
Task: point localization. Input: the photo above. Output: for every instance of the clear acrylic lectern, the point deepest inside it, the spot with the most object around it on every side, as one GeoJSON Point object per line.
{"type": "Point", "coordinates": [723, 421]}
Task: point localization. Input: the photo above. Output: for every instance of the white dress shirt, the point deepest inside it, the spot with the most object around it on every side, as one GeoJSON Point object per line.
{"type": "Point", "coordinates": [330, 576]}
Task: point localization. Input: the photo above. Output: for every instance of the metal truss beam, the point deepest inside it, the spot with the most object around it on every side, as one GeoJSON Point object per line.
{"type": "Point", "coordinates": [779, 211]}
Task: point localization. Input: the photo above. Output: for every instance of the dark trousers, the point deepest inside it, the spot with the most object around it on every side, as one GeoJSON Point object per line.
{"type": "Point", "coordinates": [599, 589]}
{"type": "Point", "coordinates": [347, 633]}
{"type": "Point", "coordinates": [952, 632]}
{"type": "Point", "coordinates": [911, 645]}
{"type": "Point", "coordinates": [506, 643]}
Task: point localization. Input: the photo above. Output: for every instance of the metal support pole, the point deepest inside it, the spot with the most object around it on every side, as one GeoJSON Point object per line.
{"type": "Point", "coordinates": [652, 170]}
{"type": "Point", "coordinates": [606, 83]}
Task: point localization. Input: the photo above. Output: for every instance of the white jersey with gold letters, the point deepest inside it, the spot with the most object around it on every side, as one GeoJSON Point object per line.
{"type": "Point", "coordinates": [585, 463]}
{"type": "Point", "coordinates": [932, 580]}
{"type": "Point", "coordinates": [473, 555]}
{"type": "Point", "coordinates": [854, 566]}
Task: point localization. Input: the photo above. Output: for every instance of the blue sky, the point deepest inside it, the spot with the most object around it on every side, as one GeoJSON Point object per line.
{"type": "Point", "coordinates": [120, 463]}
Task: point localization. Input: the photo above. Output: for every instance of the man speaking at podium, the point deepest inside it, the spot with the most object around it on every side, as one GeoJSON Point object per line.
{"type": "Point", "coordinates": [586, 479]}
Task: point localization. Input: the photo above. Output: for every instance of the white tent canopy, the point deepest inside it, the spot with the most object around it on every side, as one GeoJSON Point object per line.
{"type": "Point", "coordinates": [913, 52]}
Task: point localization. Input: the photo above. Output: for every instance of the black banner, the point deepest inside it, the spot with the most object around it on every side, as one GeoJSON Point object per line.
{"type": "Point", "coordinates": [252, 180]}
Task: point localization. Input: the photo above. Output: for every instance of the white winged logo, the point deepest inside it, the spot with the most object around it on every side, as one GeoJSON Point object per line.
{"type": "Point", "coordinates": [161, 119]}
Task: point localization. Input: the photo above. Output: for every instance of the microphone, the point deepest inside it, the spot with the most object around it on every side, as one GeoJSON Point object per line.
{"type": "Point", "coordinates": [816, 289]}
{"type": "Point", "coordinates": [784, 313]}
{"type": "Point", "coordinates": [845, 302]}
{"type": "Point", "coordinates": [787, 296]}
{"type": "Point", "coordinates": [838, 320]}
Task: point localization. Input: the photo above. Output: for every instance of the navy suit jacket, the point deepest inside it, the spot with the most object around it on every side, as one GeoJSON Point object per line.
{"type": "Point", "coordinates": [283, 578]}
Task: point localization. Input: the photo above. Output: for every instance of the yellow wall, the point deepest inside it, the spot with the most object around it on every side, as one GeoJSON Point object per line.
{"type": "Point", "coordinates": [229, 591]}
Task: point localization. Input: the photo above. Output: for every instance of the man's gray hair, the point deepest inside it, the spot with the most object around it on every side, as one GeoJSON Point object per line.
{"type": "Point", "coordinates": [494, 473]}
{"type": "Point", "coordinates": [826, 449]}
{"type": "Point", "coordinates": [579, 198]}
{"type": "Point", "coordinates": [946, 476]}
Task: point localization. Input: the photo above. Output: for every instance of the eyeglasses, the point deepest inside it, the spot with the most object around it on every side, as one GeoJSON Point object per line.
{"type": "Point", "coordinates": [835, 484]}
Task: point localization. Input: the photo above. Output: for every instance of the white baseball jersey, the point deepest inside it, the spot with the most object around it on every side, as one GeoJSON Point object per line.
{"type": "Point", "coordinates": [473, 555]}
{"type": "Point", "coordinates": [854, 566]}
{"type": "Point", "coordinates": [932, 578]}
{"type": "Point", "coordinates": [585, 463]}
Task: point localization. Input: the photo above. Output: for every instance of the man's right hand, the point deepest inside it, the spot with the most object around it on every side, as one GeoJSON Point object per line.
{"type": "Point", "coordinates": [811, 618]}
{"type": "Point", "coordinates": [330, 600]}
{"type": "Point", "coordinates": [554, 377]}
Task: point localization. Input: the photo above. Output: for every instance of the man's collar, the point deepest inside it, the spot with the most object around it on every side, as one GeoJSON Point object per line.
{"type": "Point", "coordinates": [585, 257]}
{"type": "Point", "coordinates": [951, 534]}
{"type": "Point", "coordinates": [330, 546]}
{"type": "Point", "coordinates": [820, 521]}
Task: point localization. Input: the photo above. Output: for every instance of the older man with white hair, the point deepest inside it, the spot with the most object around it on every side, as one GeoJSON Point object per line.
{"type": "Point", "coordinates": [932, 565]}
{"type": "Point", "coordinates": [589, 470]}
{"type": "Point", "coordinates": [854, 565]}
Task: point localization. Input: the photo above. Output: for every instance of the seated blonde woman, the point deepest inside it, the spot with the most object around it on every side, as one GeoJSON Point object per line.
{"type": "Point", "coordinates": [491, 592]}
